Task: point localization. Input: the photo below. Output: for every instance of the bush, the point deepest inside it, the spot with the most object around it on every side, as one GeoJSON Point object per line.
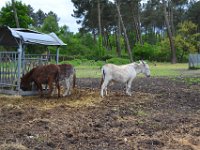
{"type": "Point", "coordinates": [145, 51]}
{"type": "Point", "coordinates": [84, 62]}
{"type": "Point", "coordinates": [118, 61]}
{"type": "Point", "coordinates": [159, 52]}
{"type": "Point", "coordinates": [75, 62]}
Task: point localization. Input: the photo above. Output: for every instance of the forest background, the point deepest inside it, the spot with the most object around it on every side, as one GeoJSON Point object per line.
{"type": "Point", "coordinates": [116, 31]}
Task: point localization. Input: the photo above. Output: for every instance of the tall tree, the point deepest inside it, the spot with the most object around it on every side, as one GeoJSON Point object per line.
{"type": "Point", "coordinates": [135, 13]}
{"type": "Point", "coordinates": [50, 24]}
{"type": "Point", "coordinates": [15, 14]}
{"type": "Point", "coordinates": [99, 17]}
{"type": "Point", "coordinates": [51, 13]}
{"type": "Point", "coordinates": [7, 17]}
{"type": "Point", "coordinates": [152, 21]}
{"type": "Point", "coordinates": [170, 35]}
{"type": "Point", "coordinates": [187, 39]}
{"type": "Point", "coordinates": [39, 19]}
{"type": "Point", "coordinates": [124, 30]}
{"type": "Point", "coordinates": [193, 13]}
{"type": "Point", "coordinates": [118, 35]}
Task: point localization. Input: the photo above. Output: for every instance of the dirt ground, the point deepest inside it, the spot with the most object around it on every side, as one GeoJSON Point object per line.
{"type": "Point", "coordinates": [162, 114]}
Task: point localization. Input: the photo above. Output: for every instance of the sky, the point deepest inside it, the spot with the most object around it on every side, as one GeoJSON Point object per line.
{"type": "Point", "coordinates": [63, 9]}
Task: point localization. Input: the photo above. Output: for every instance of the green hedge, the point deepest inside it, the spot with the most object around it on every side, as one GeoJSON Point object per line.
{"type": "Point", "coordinates": [83, 62]}
{"type": "Point", "coordinates": [118, 61]}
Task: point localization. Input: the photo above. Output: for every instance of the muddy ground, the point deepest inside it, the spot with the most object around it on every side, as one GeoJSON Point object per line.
{"type": "Point", "coordinates": [161, 114]}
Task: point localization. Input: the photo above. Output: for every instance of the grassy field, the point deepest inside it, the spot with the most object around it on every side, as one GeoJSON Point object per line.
{"type": "Point", "coordinates": [157, 70]}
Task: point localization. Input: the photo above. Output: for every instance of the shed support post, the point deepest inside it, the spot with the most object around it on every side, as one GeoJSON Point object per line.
{"type": "Point", "coordinates": [19, 65]}
{"type": "Point", "coordinates": [23, 59]}
{"type": "Point", "coordinates": [57, 55]}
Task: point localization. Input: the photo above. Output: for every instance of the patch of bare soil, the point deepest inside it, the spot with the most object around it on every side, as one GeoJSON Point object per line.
{"type": "Point", "coordinates": [161, 114]}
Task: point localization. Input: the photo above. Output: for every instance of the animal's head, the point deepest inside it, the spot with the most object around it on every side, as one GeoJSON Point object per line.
{"type": "Point", "coordinates": [145, 68]}
{"type": "Point", "coordinates": [25, 85]}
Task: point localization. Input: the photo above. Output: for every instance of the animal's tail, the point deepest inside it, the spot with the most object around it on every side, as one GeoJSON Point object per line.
{"type": "Point", "coordinates": [103, 77]}
{"type": "Point", "coordinates": [74, 79]}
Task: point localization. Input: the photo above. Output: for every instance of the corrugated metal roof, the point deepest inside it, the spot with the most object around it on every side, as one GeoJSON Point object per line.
{"type": "Point", "coordinates": [12, 36]}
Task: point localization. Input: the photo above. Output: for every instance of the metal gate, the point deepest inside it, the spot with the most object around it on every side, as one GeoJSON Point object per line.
{"type": "Point", "coordinates": [9, 69]}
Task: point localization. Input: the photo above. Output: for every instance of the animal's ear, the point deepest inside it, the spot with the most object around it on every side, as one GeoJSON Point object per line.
{"type": "Point", "coordinates": [143, 62]}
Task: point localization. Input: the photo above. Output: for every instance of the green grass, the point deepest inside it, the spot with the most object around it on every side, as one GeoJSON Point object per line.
{"type": "Point", "coordinates": [167, 69]}
{"type": "Point", "coordinates": [88, 71]}
{"type": "Point", "coordinates": [192, 80]}
{"type": "Point", "coordinates": [158, 70]}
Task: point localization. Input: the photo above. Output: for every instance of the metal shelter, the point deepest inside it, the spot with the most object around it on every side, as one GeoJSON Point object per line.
{"type": "Point", "coordinates": [12, 63]}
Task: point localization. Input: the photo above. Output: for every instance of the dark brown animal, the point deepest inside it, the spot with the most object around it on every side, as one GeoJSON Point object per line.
{"type": "Point", "coordinates": [47, 74]}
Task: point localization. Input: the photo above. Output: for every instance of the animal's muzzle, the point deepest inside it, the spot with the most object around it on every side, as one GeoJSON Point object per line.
{"type": "Point", "coordinates": [148, 76]}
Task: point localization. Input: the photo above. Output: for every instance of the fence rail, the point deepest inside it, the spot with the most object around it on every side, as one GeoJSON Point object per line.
{"type": "Point", "coordinates": [8, 69]}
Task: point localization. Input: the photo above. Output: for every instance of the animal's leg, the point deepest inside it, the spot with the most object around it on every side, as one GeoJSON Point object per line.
{"type": "Point", "coordinates": [39, 86]}
{"type": "Point", "coordinates": [58, 87]}
{"type": "Point", "coordinates": [128, 88]}
{"type": "Point", "coordinates": [67, 87]}
{"type": "Point", "coordinates": [104, 86]}
{"type": "Point", "coordinates": [106, 90]}
{"type": "Point", "coordinates": [50, 89]}
{"type": "Point", "coordinates": [54, 91]}
{"type": "Point", "coordinates": [57, 84]}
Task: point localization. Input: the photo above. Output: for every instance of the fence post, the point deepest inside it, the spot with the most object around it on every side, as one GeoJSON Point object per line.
{"type": "Point", "coordinates": [23, 61]}
{"type": "Point", "coordinates": [57, 55]}
{"type": "Point", "coordinates": [19, 65]}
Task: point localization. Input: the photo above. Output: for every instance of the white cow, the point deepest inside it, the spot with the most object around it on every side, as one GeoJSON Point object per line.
{"type": "Point", "coordinates": [124, 74]}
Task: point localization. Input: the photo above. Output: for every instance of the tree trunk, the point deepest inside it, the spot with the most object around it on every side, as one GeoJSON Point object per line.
{"type": "Point", "coordinates": [118, 43]}
{"type": "Point", "coordinates": [139, 27]}
{"type": "Point", "coordinates": [125, 34]}
{"type": "Point", "coordinates": [169, 32]}
{"type": "Point", "coordinates": [136, 21]}
{"type": "Point", "coordinates": [136, 29]}
{"type": "Point", "coordinates": [15, 14]}
{"type": "Point", "coordinates": [94, 35]}
{"type": "Point", "coordinates": [100, 39]}
{"type": "Point", "coordinates": [172, 18]}
{"type": "Point", "coordinates": [99, 17]}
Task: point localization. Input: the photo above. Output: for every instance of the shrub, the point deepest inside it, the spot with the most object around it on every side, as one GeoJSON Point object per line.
{"type": "Point", "coordinates": [159, 52]}
{"type": "Point", "coordinates": [118, 61]}
{"type": "Point", "coordinates": [145, 51]}
{"type": "Point", "coordinates": [84, 62]}
{"type": "Point", "coordinates": [75, 62]}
